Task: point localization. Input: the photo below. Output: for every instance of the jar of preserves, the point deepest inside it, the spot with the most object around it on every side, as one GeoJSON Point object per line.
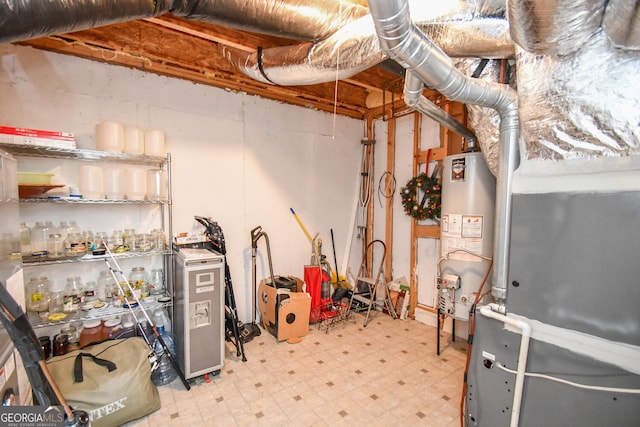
{"type": "Point", "coordinates": [138, 277]}
{"type": "Point", "coordinates": [60, 344]}
{"type": "Point", "coordinates": [111, 328]}
{"type": "Point", "coordinates": [92, 331]}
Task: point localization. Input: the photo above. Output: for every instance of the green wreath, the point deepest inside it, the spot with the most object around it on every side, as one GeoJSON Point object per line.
{"type": "Point", "coordinates": [422, 206]}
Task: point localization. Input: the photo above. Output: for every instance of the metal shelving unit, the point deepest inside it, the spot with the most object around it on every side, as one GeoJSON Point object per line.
{"type": "Point", "coordinates": [165, 206]}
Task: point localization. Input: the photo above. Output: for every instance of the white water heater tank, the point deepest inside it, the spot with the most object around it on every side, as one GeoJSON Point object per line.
{"type": "Point", "coordinates": [467, 223]}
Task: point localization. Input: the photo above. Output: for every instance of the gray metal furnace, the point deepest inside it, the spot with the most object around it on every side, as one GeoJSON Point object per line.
{"type": "Point", "coordinates": [199, 311]}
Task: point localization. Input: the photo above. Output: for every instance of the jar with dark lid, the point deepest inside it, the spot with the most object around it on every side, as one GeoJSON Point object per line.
{"type": "Point", "coordinates": [45, 343]}
{"type": "Point", "coordinates": [91, 332]}
{"type": "Point", "coordinates": [60, 343]}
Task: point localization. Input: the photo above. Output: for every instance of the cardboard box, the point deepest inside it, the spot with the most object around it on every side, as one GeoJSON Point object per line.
{"type": "Point", "coordinates": [284, 314]}
{"type": "Point", "coordinates": [36, 137]}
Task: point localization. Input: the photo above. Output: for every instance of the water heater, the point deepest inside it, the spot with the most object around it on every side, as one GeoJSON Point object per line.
{"type": "Point", "coordinates": [466, 236]}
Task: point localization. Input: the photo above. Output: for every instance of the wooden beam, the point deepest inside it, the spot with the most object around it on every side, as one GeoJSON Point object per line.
{"type": "Point", "coordinates": [388, 235]}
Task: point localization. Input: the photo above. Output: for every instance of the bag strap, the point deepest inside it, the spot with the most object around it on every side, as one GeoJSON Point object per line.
{"type": "Point", "coordinates": [77, 365]}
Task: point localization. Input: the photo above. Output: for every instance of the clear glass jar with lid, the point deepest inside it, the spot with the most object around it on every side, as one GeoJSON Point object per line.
{"type": "Point", "coordinates": [138, 277]}
{"type": "Point", "coordinates": [38, 294]}
{"type": "Point", "coordinates": [73, 294]}
{"type": "Point", "coordinates": [39, 238]}
{"type": "Point", "coordinates": [74, 245]}
{"type": "Point", "coordinates": [25, 240]}
{"type": "Point", "coordinates": [156, 282]}
{"type": "Point", "coordinates": [55, 246]}
{"type": "Point", "coordinates": [105, 281]}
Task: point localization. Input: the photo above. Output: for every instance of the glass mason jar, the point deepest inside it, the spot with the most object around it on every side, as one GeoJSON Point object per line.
{"type": "Point", "coordinates": [128, 239]}
{"type": "Point", "coordinates": [55, 246]}
{"type": "Point", "coordinates": [25, 240]}
{"type": "Point", "coordinates": [38, 294]}
{"type": "Point", "coordinates": [73, 294]}
{"type": "Point", "coordinates": [39, 238]}
{"type": "Point", "coordinates": [74, 245]}
{"type": "Point", "coordinates": [156, 282]}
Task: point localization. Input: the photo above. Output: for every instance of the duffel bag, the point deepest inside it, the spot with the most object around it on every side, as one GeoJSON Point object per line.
{"type": "Point", "coordinates": [111, 380]}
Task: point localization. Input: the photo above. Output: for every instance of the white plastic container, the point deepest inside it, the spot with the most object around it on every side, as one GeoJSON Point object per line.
{"type": "Point", "coordinates": [133, 140]}
{"type": "Point", "coordinates": [155, 182]}
{"type": "Point", "coordinates": [135, 183]}
{"type": "Point", "coordinates": [114, 183]}
{"type": "Point", "coordinates": [91, 182]}
{"type": "Point", "coordinates": [109, 136]}
{"type": "Point", "coordinates": [154, 143]}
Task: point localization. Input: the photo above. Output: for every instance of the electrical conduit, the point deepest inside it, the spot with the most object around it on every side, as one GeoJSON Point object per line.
{"type": "Point", "coordinates": [494, 311]}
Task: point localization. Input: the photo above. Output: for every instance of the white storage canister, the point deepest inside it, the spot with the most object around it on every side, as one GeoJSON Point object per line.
{"type": "Point", "coordinates": [154, 184]}
{"type": "Point", "coordinates": [109, 136]}
{"type": "Point", "coordinates": [91, 182]}
{"type": "Point", "coordinates": [114, 183]}
{"type": "Point", "coordinates": [135, 183]}
{"type": "Point", "coordinates": [133, 140]}
{"type": "Point", "coordinates": [154, 143]}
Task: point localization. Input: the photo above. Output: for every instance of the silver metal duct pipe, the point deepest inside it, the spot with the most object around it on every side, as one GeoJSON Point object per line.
{"type": "Point", "coordinates": [28, 19]}
{"type": "Point", "coordinates": [413, 88]}
{"type": "Point", "coordinates": [456, 26]}
{"type": "Point", "coordinates": [308, 20]}
{"type": "Point", "coordinates": [554, 27]}
{"type": "Point", "coordinates": [405, 43]}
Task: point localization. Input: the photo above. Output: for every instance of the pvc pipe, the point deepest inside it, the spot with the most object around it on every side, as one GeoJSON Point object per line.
{"type": "Point", "coordinates": [494, 311]}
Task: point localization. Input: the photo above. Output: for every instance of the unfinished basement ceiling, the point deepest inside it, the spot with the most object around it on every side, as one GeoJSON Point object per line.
{"type": "Point", "coordinates": [193, 50]}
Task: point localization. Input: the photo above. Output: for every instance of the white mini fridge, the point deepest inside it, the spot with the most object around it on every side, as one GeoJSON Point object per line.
{"type": "Point", "coordinates": [199, 311]}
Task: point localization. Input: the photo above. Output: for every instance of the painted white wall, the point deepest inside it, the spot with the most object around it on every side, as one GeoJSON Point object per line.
{"type": "Point", "coordinates": [242, 160]}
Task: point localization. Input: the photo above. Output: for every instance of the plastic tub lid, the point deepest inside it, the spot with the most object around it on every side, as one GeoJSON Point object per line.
{"type": "Point", "coordinates": [94, 323]}
{"type": "Point", "coordinates": [111, 322]}
{"type": "Point", "coordinates": [128, 324]}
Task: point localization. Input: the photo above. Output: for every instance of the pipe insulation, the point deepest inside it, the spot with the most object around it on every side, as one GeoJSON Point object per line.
{"type": "Point", "coordinates": [406, 44]}
{"type": "Point", "coordinates": [581, 105]}
{"type": "Point", "coordinates": [456, 26]}
{"type": "Point", "coordinates": [308, 20]}
{"type": "Point", "coordinates": [554, 27]}
{"type": "Point", "coordinates": [28, 19]}
{"type": "Point", "coordinates": [622, 23]}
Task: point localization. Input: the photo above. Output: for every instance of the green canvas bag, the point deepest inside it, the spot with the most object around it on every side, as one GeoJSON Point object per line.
{"type": "Point", "coordinates": [111, 380]}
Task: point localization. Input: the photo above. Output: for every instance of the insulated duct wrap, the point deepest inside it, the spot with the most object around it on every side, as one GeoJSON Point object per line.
{"type": "Point", "coordinates": [580, 105]}
{"type": "Point", "coordinates": [486, 121]}
{"type": "Point", "coordinates": [295, 19]}
{"type": "Point", "coordinates": [622, 23]}
{"type": "Point", "coordinates": [456, 27]}
{"type": "Point", "coordinates": [28, 19]}
{"type": "Point", "coordinates": [554, 27]}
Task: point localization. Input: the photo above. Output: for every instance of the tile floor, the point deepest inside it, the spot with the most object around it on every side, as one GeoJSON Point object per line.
{"type": "Point", "coordinates": [385, 374]}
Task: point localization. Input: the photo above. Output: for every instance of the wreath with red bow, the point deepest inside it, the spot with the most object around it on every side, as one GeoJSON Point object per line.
{"type": "Point", "coordinates": [421, 197]}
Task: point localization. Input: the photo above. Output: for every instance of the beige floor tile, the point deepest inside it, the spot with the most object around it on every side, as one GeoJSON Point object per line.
{"type": "Point", "coordinates": [385, 374]}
